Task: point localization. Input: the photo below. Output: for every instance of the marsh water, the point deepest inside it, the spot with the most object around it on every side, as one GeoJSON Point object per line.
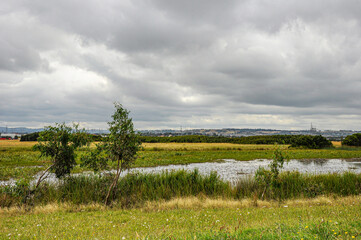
{"type": "Point", "coordinates": [232, 170]}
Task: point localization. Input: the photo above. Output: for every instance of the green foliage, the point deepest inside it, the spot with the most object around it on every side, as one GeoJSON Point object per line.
{"type": "Point", "coordinates": [270, 177]}
{"type": "Point", "coordinates": [352, 140]}
{"type": "Point", "coordinates": [271, 139]}
{"type": "Point", "coordinates": [96, 137]}
{"type": "Point", "coordinates": [304, 141]}
{"type": "Point", "coordinates": [122, 144]}
{"type": "Point", "coordinates": [29, 137]}
{"type": "Point", "coordinates": [59, 143]}
{"type": "Point", "coordinates": [312, 142]}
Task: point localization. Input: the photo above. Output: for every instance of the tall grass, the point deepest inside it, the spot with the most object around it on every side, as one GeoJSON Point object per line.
{"type": "Point", "coordinates": [297, 185]}
{"type": "Point", "coordinates": [135, 189]}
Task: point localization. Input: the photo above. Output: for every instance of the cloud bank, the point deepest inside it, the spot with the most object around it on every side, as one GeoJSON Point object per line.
{"type": "Point", "coordinates": [197, 64]}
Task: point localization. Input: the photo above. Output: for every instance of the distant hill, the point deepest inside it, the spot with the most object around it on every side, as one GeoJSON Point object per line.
{"type": "Point", "coordinates": [21, 130]}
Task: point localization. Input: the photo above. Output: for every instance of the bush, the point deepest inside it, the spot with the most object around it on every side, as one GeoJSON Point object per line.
{"type": "Point", "coordinates": [312, 142]}
{"type": "Point", "coordinates": [352, 140]}
{"type": "Point", "coordinates": [30, 137]}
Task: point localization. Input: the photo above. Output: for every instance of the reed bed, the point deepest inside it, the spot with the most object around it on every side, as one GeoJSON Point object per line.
{"type": "Point", "coordinates": [134, 190]}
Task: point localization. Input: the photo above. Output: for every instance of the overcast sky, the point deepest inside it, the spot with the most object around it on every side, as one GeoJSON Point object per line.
{"type": "Point", "coordinates": [197, 64]}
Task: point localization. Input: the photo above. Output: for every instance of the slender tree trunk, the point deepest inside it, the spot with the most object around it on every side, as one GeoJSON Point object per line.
{"type": "Point", "coordinates": [115, 180]}
{"type": "Point", "coordinates": [264, 190]}
{"type": "Point", "coordinates": [41, 178]}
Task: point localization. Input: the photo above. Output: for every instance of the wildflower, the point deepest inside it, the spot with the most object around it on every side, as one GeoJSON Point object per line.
{"type": "Point", "coordinates": [306, 227]}
{"type": "Point", "coordinates": [346, 232]}
{"type": "Point", "coordinates": [353, 236]}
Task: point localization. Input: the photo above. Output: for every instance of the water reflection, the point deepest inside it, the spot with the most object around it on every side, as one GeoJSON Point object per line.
{"type": "Point", "coordinates": [232, 170]}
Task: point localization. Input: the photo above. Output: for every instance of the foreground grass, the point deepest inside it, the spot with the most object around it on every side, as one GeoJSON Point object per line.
{"type": "Point", "coordinates": [189, 218]}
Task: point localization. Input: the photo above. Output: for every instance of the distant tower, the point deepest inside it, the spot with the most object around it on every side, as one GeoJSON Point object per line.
{"type": "Point", "coordinates": [313, 129]}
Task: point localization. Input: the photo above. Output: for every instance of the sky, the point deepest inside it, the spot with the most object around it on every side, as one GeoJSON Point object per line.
{"type": "Point", "coordinates": [278, 64]}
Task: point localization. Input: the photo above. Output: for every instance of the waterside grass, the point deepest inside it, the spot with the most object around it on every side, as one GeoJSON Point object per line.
{"type": "Point", "coordinates": [134, 190]}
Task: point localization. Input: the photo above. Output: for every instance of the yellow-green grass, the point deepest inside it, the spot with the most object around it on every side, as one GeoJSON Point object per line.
{"type": "Point", "coordinates": [190, 218]}
{"type": "Point", "coordinates": [337, 143]}
{"type": "Point", "coordinates": [15, 143]}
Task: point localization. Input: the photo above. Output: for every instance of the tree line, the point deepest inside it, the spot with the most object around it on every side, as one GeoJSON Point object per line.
{"type": "Point", "coordinates": [306, 141]}
{"type": "Point", "coordinates": [303, 141]}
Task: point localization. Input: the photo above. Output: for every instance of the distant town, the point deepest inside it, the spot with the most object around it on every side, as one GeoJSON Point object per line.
{"type": "Point", "coordinates": [15, 133]}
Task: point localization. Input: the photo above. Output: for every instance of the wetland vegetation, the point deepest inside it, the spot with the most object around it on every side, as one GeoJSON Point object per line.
{"type": "Point", "coordinates": [196, 206]}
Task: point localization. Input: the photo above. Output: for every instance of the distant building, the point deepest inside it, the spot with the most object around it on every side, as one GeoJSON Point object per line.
{"type": "Point", "coordinates": [313, 129]}
{"type": "Point", "coordinates": [9, 135]}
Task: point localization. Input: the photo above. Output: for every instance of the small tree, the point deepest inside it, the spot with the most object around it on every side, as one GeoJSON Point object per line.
{"type": "Point", "coordinates": [270, 177]}
{"type": "Point", "coordinates": [120, 146]}
{"type": "Point", "coordinates": [59, 143]}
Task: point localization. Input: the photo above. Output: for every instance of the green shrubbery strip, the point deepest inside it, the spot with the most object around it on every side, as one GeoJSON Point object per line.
{"type": "Point", "coordinates": [305, 141]}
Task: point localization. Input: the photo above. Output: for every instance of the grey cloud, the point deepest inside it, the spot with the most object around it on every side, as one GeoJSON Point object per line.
{"type": "Point", "coordinates": [214, 62]}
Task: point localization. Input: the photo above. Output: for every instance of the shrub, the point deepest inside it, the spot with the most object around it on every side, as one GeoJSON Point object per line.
{"type": "Point", "coordinates": [352, 140]}
{"type": "Point", "coordinates": [312, 142]}
{"type": "Point", "coordinates": [29, 137]}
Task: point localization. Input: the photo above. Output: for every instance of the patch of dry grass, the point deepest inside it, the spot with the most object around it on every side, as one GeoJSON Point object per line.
{"type": "Point", "coordinates": [336, 143]}
{"type": "Point", "coordinates": [200, 203]}
{"type": "Point", "coordinates": [190, 203]}
{"type": "Point", "coordinates": [15, 143]}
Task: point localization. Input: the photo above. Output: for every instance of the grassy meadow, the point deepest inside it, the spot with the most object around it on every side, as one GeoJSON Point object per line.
{"type": "Point", "coordinates": [189, 218]}
{"type": "Point", "coordinates": [182, 205]}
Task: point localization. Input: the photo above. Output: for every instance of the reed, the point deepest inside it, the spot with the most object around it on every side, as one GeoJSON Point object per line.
{"type": "Point", "coordinates": [135, 189]}
{"type": "Point", "coordinates": [131, 190]}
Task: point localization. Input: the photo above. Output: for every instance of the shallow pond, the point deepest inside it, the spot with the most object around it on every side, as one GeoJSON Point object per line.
{"type": "Point", "coordinates": [232, 170]}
